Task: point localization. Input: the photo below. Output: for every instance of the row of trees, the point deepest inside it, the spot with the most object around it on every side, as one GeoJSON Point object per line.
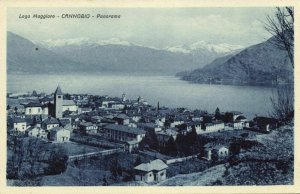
{"type": "Point", "coordinates": [183, 145]}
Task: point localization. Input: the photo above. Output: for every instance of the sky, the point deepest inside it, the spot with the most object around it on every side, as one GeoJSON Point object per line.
{"type": "Point", "coordinates": [156, 27]}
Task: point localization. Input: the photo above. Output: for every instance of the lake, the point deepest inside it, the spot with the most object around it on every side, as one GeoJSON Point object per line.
{"type": "Point", "coordinates": [170, 91]}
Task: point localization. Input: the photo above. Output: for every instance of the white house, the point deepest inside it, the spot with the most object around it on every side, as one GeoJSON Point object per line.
{"type": "Point", "coordinates": [153, 171]}
{"type": "Point", "coordinates": [215, 152]}
{"type": "Point", "coordinates": [69, 105]}
{"type": "Point", "coordinates": [19, 124]}
{"type": "Point", "coordinates": [36, 131]}
{"type": "Point", "coordinates": [88, 127]}
{"type": "Point", "coordinates": [212, 127]}
{"type": "Point", "coordinates": [33, 108]}
{"type": "Point", "coordinates": [60, 135]}
{"type": "Point", "coordinates": [50, 123]}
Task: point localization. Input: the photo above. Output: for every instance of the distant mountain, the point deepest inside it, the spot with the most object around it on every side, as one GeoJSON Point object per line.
{"type": "Point", "coordinates": [23, 56]}
{"type": "Point", "coordinates": [122, 56]}
{"type": "Point", "coordinates": [260, 64]}
{"type": "Point", "coordinates": [202, 46]}
{"type": "Point", "coordinates": [113, 55]}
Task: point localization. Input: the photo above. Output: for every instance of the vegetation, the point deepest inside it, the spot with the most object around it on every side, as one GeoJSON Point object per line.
{"type": "Point", "coordinates": [29, 158]}
{"type": "Point", "coordinates": [281, 26]}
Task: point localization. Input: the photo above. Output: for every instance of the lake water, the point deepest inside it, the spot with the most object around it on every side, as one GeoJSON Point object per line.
{"type": "Point", "coordinates": [168, 90]}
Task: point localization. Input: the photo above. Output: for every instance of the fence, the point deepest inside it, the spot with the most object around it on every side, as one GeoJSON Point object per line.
{"type": "Point", "coordinates": [98, 143]}
{"type": "Point", "coordinates": [95, 154]}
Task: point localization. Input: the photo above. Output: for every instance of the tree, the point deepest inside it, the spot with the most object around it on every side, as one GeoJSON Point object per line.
{"type": "Point", "coordinates": [29, 157]}
{"type": "Point", "coordinates": [281, 26]}
{"type": "Point", "coordinates": [283, 103]}
{"type": "Point", "coordinates": [217, 114]}
{"type": "Point", "coordinates": [171, 147]}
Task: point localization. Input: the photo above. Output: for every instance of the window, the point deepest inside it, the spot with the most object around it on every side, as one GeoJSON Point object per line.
{"type": "Point", "coordinates": [30, 110]}
{"type": "Point", "coordinates": [58, 96]}
{"type": "Point", "coordinates": [162, 174]}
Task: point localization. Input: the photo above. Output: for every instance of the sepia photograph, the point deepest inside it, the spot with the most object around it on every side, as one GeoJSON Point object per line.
{"type": "Point", "coordinates": [150, 96]}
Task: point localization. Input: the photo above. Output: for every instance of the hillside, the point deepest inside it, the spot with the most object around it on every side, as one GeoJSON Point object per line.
{"type": "Point", "coordinates": [268, 163]}
{"type": "Point", "coordinates": [23, 56]}
{"type": "Point", "coordinates": [260, 64]}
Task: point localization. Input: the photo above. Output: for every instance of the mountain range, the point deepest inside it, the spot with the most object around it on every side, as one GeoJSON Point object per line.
{"type": "Point", "coordinates": [113, 55]}
{"type": "Point", "coordinates": [261, 64]}
{"type": "Point", "coordinates": [199, 62]}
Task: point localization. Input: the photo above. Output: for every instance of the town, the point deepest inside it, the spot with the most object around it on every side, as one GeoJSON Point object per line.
{"type": "Point", "coordinates": [157, 141]}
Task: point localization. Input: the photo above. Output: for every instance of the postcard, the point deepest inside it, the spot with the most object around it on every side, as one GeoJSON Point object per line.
{"type": "Point", "coordinates": [168, 97]}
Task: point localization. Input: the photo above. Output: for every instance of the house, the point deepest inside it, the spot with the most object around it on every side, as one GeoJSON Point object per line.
{"type": "Point", "coordinates": [116, 105]}
{"type": "Point", "coordinates": [34, 108]}
{"type": "Point", "coordinates": [19, 124]}
{"type": "Point", "coordinates": [164, 136]}
{"type": "Point", "coordinates": [50, 123]}
{"type": "Point", "coordinates": [96, 119]}
{"type": "Point", "coordinates": [153, 171]}
{"type": "Point", "coordinates": [131, 145]}
{"type": "Point", "coordinates": [36, 131]}
{"type": "Point", "coordinates": [88, 127]}
{"type": "Point", "coordinates": [66, 123]}
{"type": "Point", "coordinates": [59, 135]}
{"type": "Point", "coordinates": [265, 124]}
{"type": "Point", "coordinates": [176, 121]}
{"type": "Point", "coordinates": [231, 116]}
{"type": "Point", "coordinates": [84, 110]}
{"type": "Point", "coordinates": [215, 152]}
{"type": "Point", "coordinates": [122, 119]}
{"type": "Point", "coordinates": [150, 127]}
{"type": "Point", "coordinates": [134, 116]}
{"type": "Point", "coordinates": [69, 105]}
{"type": "Point", "coordinates": [212, 127]}
{"type": "Point", "coordinates": [123, 133]}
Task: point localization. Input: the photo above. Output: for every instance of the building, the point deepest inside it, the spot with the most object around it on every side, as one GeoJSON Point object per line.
{"type": "Point", "coordinates": [150, 127]}
{"type": "Point", "coordinates": [122, 119]}
{"type": "Point", "coordinates": [123, 133]}
{"type": "Point", "coordinates": [59, 135]}
{"type": "Point", "coordinates": [153, 171]}
{"type": "Point", "coordinates": [50, 123]}
{"type": "Point", "coordinates": [19, 124]}
{"type": "Point", "coordinates": [88, 127]}
{"type": "Point", "coordinates": [36, 131]}
{"type": "Point", "coordinates": [58, 103]}
{"type": "Point", "coordinates": [214, 126]}
{"type": "Point", "coordinates": [34, 108]}
{"type": "Point", "coordinates": [69, 105]}
{"type": "Point", "coordinates": [265, 124]}
{"type": "Point", "coordinates": [131, 145]}
{"type": "Point", "coordinates": [164, 136]}
{"type": "Point", "coordinates": [215, 152]}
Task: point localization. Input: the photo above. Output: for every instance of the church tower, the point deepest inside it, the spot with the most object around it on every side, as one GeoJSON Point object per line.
{"type": "Point", "coordinates": [58, 103]}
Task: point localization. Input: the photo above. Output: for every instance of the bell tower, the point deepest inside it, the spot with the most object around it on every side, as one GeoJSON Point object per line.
{"type": "Point", "coordinates": [58, 103]}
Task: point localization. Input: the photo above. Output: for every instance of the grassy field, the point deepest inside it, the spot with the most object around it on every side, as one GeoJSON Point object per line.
{"type": "Point", "coordinates": [232, 133]}
{"type": "Point", "coordinates": [207, 177]}
{"type": "Point", "coordinates": [73, 148]}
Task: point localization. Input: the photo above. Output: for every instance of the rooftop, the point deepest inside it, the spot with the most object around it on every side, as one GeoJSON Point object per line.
{"type": "Point", "coordinates": [125, 129]}
{"type": "Point", "coordinates": [58, 91]}
{"type": "Point", "coordinates": [153, 165]}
